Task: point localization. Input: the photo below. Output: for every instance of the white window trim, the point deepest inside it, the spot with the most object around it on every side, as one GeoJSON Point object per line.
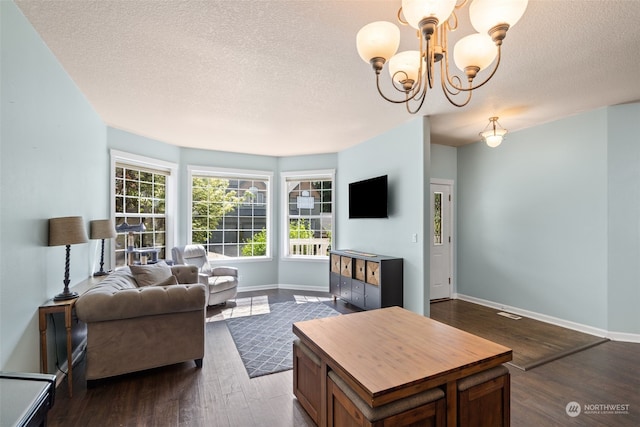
{"type": "Point", "coordinates": [230, 172]}
{"type": "Point", "coordinates": [284, 237]}
{"type": "Point", "coordinates": [171, 191]}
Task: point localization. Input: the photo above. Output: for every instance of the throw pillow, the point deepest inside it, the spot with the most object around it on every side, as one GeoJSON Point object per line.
{"type": "Point", "coordinates": [151, 274]}
{"type": "Point", "coordinates": [169, 281]}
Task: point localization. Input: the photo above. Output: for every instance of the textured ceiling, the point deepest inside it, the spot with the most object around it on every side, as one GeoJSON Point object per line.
{"type": "Point", "coordinates": [283, 77]}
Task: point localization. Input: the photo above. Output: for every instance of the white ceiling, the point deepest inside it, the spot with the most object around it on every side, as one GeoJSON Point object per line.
{"type": "Point", "coordinates": [284, 78]}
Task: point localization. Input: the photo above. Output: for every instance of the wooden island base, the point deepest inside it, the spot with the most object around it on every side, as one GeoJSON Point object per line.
{"type": "Point", "coordinates": [381, 368]}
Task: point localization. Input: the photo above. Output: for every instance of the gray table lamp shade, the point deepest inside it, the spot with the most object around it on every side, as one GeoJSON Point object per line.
{"type": "Point", "coordinates": [102, 229]}
{"type": "Point", "coordinates": [68, 230]}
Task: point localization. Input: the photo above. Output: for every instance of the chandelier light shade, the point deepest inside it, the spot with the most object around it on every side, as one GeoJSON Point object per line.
{"type": "Point", "coordinates": [66, 231]}
{"type": "Point", "coordinates": [486, 14]}
{"type": "Point", "coordinates": [378, 42]}
{"type": "Point", "coordinates": [493, 134]}
{"type": "Point", "coordinates": [102, 229]}
{"type": "Point", "coordinates": [416, 10]}
{"type": "Point", "coordinates": [405, 66]}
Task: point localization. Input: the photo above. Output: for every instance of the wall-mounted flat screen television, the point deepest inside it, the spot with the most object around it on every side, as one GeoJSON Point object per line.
{"type": "Point", "coordinates": [368, 198]}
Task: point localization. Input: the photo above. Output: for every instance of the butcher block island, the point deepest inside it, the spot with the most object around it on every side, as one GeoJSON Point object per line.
{"type": "Point", "coordinates": [391, 366]}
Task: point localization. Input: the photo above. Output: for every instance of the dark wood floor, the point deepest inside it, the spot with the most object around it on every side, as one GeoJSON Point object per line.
{"type": "Point", "coordinates": [221, 394]}
{"type": "Point", "coordinates": [533, 342]}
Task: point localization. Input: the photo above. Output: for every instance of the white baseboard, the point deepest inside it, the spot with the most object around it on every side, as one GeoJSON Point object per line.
{"type": "Point", "coordinates": [615, 336]}
{"type": "Point", "coordinates": [304, 288]}
{"type": "Point", "coordinates": [283, 286]}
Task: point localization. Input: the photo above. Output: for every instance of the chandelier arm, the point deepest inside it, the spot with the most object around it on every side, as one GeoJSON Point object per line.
{"type": "Point", "coordinates": [450, 99]}
{"type": "Point", "coordinates": [461, 5]}
{"type": "Point", "coordinates": [386, 98]}
{"type": "Point", "coordinates": [429, 62]}
{"type": "Point", "coordinates": [445, 74]}
{"type": "Point", "coordinates": [422, 97]}
{"type": "Point", "coordinates": [471, 87]}
{"type": "Point", "coordinates": [400, 17]}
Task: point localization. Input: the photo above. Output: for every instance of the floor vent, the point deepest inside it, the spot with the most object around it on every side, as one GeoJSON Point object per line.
{"type": "Point", "coordinates": [509, 315]}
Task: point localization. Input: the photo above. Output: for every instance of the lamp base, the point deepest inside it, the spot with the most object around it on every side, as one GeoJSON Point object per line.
{"type": "Point", "coordinates": [100, 273]}
{"type": "Point", "coordinates": [66, 296]}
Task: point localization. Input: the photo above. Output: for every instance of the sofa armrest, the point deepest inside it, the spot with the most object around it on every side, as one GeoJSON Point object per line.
{"type": "Point", "coordinates": [224, 271]}
{"type": "Point", "coordinates": [185, 273]}
{"type": "Point", "coordinates": [103, 304]}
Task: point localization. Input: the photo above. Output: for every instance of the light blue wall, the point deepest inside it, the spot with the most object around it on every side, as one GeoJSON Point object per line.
{"type": "Point", "coordinates": [402, 154]}
{"type": "Point", "coordinates": [312, 274]}
{"type": "Point", "coordinates": [623, 156]}
{"type": "Point", "coordinates": [135, 144]}
{"type": "Point", "coordinates": [53, 163]}
{"type": "Point", "coordinates": [532, 220]}
{"type": "Point", "coordinates": [444, 162]}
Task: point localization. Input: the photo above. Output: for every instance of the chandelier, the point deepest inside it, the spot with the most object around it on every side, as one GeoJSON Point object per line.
{"type": "Point", "coordinates": [413, 71]}
{"type": "Point", "coordinates": [493, 134]}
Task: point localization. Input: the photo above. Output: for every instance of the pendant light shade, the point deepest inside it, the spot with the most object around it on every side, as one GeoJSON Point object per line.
{"type": "Point", "coordinates": [494, 133]}
{"type": "Point", "coordinates": [405, 66]}
{"type": "Point", "coordinates": [378, 39]}
{"type": "Point", "coordinates": [475, 50]}
{"type": "Point", "coordinates": [415, 11]}
{"type": "Point", "coordinates": [486, 14]}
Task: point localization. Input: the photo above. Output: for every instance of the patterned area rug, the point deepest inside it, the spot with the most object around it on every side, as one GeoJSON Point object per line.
{"type": "Point", "coordinates": [265, 341]}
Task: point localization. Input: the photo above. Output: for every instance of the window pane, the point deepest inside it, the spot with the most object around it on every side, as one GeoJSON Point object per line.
{"type": "Point", "coordinates": [309, 216]}
{"type": "Point", "coordinates": [144, 201]}
{"type": "Point", "coordinates": [437, 218]}
{"type": "Point", "coordinates": [221, 206]}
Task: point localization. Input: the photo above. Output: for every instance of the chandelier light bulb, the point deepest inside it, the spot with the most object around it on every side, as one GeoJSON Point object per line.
{"type": "Point", "coordinates": [475, 50]}
{"type": "Point", "coordinates": [378, 39]}
{"type": "Point", "coordinates": [486, 14]}
{"type": "Point", "coordinates": [415, 11]}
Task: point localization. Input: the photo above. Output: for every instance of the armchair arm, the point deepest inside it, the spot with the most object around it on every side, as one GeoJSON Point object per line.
{"type": "Point", "coordinates": [224, 271]}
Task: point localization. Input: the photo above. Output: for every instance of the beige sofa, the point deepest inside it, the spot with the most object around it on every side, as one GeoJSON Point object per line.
{"type": "Point", "coordinates": [139, 318]}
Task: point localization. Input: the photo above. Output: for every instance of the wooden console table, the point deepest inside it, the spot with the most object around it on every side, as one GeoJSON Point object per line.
{"type": "Point", "coordinates": [65, 307]}
{"type": "Point", "coordinates": [389, 354]}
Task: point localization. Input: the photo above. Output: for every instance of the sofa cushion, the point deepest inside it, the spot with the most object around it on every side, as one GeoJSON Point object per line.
{"type": "Point", "coordinates": [151, 274]}
{"type": "Point", "coordinates": [222, 283]}
{"type": "Point", "coordinates": [171, 280]}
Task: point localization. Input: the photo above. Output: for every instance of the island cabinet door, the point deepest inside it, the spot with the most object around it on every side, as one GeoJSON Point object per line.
{"type": "Point", "coordinates": [371, 297]}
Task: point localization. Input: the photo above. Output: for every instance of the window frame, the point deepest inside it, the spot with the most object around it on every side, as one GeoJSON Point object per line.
{"type": "Point", "coordinates": [232, 173]}
{"type": "Point", "coordinates": [171, 191]}
{"type": "Point", "coordinates": [306, 175]}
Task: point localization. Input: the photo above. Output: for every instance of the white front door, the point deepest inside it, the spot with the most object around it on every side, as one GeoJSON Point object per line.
{"type": "Point", "coordinates": [441, 241]}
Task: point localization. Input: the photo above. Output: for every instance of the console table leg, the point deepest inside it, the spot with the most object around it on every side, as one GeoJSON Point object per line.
{"type": "Point", "coordinates": [42, 317]}
{"type": "Point", "coordinates": [67, 323]}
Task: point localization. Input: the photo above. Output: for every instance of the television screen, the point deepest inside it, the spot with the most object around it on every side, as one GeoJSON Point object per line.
{"type": "Point", "coordinates": [368, 198]}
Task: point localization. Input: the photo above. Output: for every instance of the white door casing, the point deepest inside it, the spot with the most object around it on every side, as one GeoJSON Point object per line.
{"type": "Point", "coordinates": [441, 272]}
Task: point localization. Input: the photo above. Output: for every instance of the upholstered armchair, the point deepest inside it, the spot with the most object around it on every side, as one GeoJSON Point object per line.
{"type": "Point", "coordinates": [222, 281]}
